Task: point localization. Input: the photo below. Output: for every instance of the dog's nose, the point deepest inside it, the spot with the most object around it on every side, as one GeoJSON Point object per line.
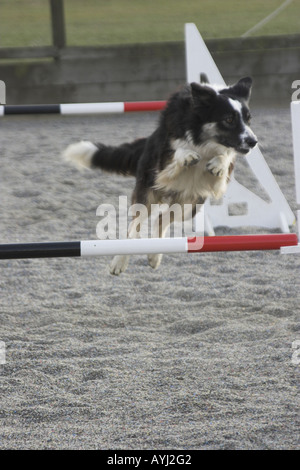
{"type": "Point", "coordinates": [251, 142]}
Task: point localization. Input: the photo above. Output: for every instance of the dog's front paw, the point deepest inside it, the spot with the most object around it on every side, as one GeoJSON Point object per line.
{"type": "Point", "coordinates": [186, 157]}
{"type": "Point", "coordinates": [119, 264]}
{"type": "Point", "coordinates": [191, 158]}
{"type": "Point", "coordinates": [216, 167]}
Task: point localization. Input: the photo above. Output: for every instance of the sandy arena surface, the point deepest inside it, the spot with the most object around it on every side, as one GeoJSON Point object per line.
{"type": "Point", "coordinates": [195, 355]}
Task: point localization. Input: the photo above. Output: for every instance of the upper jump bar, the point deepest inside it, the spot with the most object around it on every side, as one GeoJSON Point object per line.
{"type": "Point", "coordinates": [82, 108]}
{"type": "Point", "coordinates": [147, 246]}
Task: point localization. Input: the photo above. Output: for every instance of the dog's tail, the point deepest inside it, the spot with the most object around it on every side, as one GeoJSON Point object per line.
{"type": "Point", "coordinates": [122, 159]}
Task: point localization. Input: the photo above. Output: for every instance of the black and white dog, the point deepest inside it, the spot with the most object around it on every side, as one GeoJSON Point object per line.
{"type": "Point", "coordinates": [188, 158]}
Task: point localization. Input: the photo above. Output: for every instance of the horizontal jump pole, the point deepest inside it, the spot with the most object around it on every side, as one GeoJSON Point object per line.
{"type": "Point", "coordinates": [83, 108]}
{"type": "Point", "coordinates": [147, 246]}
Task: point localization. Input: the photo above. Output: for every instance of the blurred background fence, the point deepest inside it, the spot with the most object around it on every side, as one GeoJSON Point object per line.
{"type": "Point", "coordinates": [54, 51]}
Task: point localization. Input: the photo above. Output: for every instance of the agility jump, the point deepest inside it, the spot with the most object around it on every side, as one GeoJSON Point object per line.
{"type": "Point", "coordinates": [287, 243]}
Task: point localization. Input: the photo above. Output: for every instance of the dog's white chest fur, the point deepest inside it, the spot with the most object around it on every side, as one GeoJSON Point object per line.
{"type": "Point", "coordinates": [197, 171]}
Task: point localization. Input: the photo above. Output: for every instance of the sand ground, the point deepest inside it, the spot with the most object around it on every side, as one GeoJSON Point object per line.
{"type": "Point", "coordinates": [195, 355]}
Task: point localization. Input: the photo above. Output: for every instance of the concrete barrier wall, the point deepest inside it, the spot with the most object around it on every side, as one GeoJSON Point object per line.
{"type": "Point", "coordinates": [150, 71]}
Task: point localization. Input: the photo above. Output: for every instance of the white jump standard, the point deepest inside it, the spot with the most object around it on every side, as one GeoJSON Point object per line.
{"type": "Point", "coordinates": [295, 115]}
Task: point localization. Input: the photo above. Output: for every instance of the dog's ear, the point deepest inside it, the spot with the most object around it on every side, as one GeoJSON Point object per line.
{"type": "Point", "coordinates": [203, 78]}
{"type": "Point", "coordinates": [202, 95]}
{"type": "Point", "coordinates": [242, 89]}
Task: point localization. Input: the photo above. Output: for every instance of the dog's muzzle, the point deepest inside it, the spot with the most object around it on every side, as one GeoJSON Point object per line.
{"type": "Point", "coordinates": [249, 141]}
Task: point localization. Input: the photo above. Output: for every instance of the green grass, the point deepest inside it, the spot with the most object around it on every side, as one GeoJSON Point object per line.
{"type": "Point", "coordinates": [102, 22]}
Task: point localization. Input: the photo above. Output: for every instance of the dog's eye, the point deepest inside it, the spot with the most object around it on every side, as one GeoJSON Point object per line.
{"type": "Point", "coordinates": [230, 120]}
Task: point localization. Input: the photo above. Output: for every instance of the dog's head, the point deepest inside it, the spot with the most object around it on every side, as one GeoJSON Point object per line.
{"type": "Point", "coordinates": [223, 115]}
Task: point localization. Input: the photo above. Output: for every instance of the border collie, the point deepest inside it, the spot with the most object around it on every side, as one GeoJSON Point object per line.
{"type": "Point", "coordinates": [188, 158]}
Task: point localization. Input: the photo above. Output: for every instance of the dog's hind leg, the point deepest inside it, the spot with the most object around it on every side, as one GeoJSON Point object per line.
{"type": "Point", "coordinates": [120, 262]}
{"type": "Point", "coordinates": [174, 214]}
{"type": "Point", "coordinates": [160, 228]}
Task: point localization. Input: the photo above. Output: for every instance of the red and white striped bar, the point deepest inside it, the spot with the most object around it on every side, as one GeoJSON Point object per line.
{"type": "Point", "coordinates": [83, 108]}
{"type": "Point", "coordinates": [91, 248]}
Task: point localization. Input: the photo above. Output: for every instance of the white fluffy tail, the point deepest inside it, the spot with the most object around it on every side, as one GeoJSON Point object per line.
{"type": "Point", "coordinates": [80, 154]}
